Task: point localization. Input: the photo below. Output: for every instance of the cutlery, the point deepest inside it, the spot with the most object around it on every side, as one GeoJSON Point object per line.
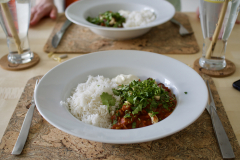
{"type": "Point", "coordinates": [25, 128]}
{"type": "Point", "coordinates": [58, 36]}
{"type": "Point", "coordinates": [223, 141]}
{"type": "Point", "coordinates": [182, 30]}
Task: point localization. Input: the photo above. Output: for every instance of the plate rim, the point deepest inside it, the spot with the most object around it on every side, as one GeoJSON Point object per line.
{"type": "Point", "coordinates": [117, 141]}
{"type": "Point", "coordinates": [92, 26]}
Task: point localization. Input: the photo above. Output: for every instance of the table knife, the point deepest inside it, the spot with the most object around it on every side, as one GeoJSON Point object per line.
{"type": "Point", "coordinates": [58, 36]}
{"type": "Point", "coordinates": [25, 128]}
{"type": "Point", "coordinates": [222, 138]}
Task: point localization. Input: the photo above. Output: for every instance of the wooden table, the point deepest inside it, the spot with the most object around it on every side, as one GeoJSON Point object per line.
{"type": "Point", "coordinates": [13, 82]}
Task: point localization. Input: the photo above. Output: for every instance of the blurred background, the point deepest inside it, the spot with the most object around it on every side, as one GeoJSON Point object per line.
{"type": "Point", "coordinates": [186, 5]}
{"type": "Point", "coordinates": [189, 5]}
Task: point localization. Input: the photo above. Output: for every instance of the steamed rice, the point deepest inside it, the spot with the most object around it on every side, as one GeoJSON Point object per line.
{"type": "Point", "coordinates": [137, 18]}
{"type": "Point", "coordinates": [86, 105]}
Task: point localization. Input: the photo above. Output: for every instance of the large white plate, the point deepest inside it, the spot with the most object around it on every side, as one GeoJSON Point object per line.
{"type": "Point", "coordinates": [58, 83]}
{"type": "Point", "coordinates": [80, 10]}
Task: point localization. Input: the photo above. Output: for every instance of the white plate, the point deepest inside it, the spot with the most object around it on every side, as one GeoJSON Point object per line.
{"type": "Point", "coordinates": [80, 10]}
{"type": "Point", "coordinates": [58, 83]}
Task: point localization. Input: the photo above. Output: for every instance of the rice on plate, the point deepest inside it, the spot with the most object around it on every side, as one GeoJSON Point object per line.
{"type": "Point", "coordinates": [86, 104]}
{"type": "Point", "coordinates": [137, 18]}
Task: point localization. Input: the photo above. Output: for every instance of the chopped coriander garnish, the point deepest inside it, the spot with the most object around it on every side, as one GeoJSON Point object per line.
{"type": "Point", "coordinates": [108, 19]}
{"type": "Point", "coordinates": [142, 97]}
{"type": "Point", "coordinates": [127, 115]}
{"type": "Point", "coordinates": [114, 122]}
{"type": "Point", "coordinates": [185, 92]}
{"type": "Point", "coordinates": [153, 113]}
{"type": "Point", "coordinates": [154, 104]}
{"type": "Point", "coordinates": [138, 109]}
{"type": "Point", "coordinates": [117, 114]}
{"type": "Point", "coordinates": [141, 93]}
{"type": "Point", "coordinates": [165, 105]}
{"type": "Point", "coordinates": [134, 125]}
{"type": "Point", "coordinates": [108, 100]}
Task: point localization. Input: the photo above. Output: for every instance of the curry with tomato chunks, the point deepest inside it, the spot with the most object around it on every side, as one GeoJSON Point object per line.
{"type": "Point", "coordinates": [108, 19]}
{"type": "Point", "coordinates": [143, 103]}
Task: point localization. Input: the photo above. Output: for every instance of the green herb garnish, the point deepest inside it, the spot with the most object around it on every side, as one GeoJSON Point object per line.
{"type": "Point", "coordinates": [138, 109]}
{"type": "Point", "coordinates": [142, 93]}
{"type": "Point", "coordinates": [134, 125]}
{"type": "Point", "coordinates": [114, 122]}
{"type": "Point", "coordinates": [153, 113]}
{"type": "Point", "coordinates": [154, 104]}
{"type": "Point", "coordinates": [127, 115]}
{"type": "Point", "coordinates": [117, 114]}
{"type": "Point", "coordinates": [108, 19]}
{"type": "Point", "coordinates": [108, 100]}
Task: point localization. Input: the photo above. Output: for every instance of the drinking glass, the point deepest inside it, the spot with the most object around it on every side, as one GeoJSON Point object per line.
{"type": "Point", "coordinates": [213, 54]}
{"type": "Point", "coordinates": [238, 18]}
{"type": "Point", "coordinates": [15, 20]}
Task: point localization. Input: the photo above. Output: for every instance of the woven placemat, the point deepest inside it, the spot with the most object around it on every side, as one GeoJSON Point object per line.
{"type": "Point", "coordinates": [197, 141]}
{"type": "Point", "coordinates": [163, 39]}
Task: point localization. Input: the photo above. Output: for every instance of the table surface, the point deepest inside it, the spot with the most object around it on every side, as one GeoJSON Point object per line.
{"type": "Point", "coordinates": [12, 83]}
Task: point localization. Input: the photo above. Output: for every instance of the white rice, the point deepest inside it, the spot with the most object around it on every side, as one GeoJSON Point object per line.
{"type": "Point", "coordinates": [86, 105]}
{"type": "Point", "coordinates": [137, 18]}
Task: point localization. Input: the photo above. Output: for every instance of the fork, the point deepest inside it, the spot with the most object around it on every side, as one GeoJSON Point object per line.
{"type": "Point", "coordinates": [25, 127]}
{"type": "Point", "coordinates": [182, 30]}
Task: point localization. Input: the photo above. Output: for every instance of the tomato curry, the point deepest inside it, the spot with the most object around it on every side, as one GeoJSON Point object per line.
{"type": "Point", "coordinates": [143, 103]}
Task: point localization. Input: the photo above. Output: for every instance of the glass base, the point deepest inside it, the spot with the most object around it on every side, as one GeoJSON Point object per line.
{"type": "Point", "coordinates": [16, 58]}
{"type": "Point", "coordinates": [212, 64]}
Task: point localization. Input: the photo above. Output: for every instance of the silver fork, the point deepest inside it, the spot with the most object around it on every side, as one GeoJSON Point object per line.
{"type": "Point", "coordinates": [25, 127]}
{"type": "Point", "coordinates": [182, 30]}
{"type": "Point", "coordinates": [222, 138]}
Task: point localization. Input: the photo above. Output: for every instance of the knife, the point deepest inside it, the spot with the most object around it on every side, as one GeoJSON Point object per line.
{"type": "Point", "coordinates": [22, 137]}
{"type": "Point", "coordinates": [223, 141]}
{"type": "Point", "coordinates": [58, 36]}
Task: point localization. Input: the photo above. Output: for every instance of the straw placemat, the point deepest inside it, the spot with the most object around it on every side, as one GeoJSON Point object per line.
{"type": "Point", "coordinates": [197, 141]}
{"type": "Point", "coordinates": [163, 39]}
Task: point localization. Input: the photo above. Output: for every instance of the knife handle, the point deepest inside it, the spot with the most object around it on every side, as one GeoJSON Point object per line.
{"type": "Point", "coordinates": [24, 131]}
{"type": "Point", "coordinates": [174, 21]}
{"type": "Point", "coordinates": [65, 25]}
{"type": "Point", "coordinates": [223, 141]}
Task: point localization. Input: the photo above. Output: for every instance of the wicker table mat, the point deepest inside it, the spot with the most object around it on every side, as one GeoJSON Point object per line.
{"type": "Point", "coordinates": [163, 39]}
{"type": "Point", "coordinates": [197, 141]}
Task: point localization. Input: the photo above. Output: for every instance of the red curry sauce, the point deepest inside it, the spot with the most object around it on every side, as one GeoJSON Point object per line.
{"type": "Point", "coordinates": [143, 118]}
